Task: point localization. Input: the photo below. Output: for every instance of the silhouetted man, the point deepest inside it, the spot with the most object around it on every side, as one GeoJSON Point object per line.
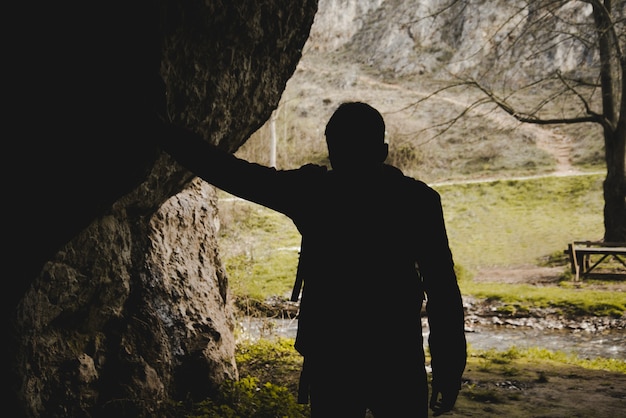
{"type": "Point", "coordinates": [374, 245]}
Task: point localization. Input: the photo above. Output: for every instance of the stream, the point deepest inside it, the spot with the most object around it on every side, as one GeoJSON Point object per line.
{"type": "Point", "coordinates": [610, 343]}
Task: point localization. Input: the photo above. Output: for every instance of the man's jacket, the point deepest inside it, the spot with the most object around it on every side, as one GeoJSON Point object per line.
{"type": "Point", "coordinates": [372, 248]}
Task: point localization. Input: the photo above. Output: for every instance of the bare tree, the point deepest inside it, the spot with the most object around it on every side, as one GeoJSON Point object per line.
{"type": "Point", "coordinates": [561, 62]}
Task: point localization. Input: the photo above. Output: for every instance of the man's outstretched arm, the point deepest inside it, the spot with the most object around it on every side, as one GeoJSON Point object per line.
{"type": "Point", "coordinates": [247, 180]}
{"type": "Point", "coordinates": [204, 159]}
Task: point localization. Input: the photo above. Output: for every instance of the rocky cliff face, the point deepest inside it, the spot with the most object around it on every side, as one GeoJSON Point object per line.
{"type": "Point", "coordinates": [120, 299]}
{"type": "Point", "coordinates": [443, 37]}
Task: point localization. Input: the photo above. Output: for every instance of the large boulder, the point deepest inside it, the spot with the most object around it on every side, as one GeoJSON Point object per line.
{"type": "Point", "coordinates": [116, 298]}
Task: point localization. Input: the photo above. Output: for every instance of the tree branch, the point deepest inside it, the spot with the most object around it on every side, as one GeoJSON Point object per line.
{"type": "Point", "coordinates": [531, 117]}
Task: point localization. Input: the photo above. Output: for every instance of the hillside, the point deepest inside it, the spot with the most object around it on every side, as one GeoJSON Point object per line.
{"type": "Point", "coordinates": [485, 143]}
{"type": "Point", "coordinates": [360, 51]}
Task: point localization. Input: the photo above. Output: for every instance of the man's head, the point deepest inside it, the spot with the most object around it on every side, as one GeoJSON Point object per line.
{"type": "Point", "coordinates": [355, 135]}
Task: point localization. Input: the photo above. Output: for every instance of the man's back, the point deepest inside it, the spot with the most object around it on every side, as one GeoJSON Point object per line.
{"type": "Point", "coordinates": [361, 240]}
{"type": "Point", "coordinates": [374, 241]}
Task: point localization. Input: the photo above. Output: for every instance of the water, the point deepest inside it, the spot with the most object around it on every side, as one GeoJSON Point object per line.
{"type": "Point", "coordinates": [606, 344]}
{"type": "Point", "coordinates": [584, 344]}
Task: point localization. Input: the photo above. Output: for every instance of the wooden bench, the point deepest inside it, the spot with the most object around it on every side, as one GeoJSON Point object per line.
{"type": "Point", "coordinates": [580, 253]}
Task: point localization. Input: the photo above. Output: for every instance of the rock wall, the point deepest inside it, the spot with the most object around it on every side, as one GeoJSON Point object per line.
{"type": "Point", "coordinates": [120, 300]}
{"type": "Point", "coordinates": [442, 37]}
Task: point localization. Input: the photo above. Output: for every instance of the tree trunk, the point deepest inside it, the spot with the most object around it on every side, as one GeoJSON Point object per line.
{"type": "Point", "coordinates": [615, 186]}
{"type": "Point", "coordinates": [612, 72]}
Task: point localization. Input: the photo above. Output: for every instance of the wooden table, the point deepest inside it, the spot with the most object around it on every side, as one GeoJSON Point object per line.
{"type": "Point", "coordinates": [580, 253]}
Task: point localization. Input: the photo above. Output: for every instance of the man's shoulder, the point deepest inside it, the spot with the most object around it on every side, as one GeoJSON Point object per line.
{"type": "Point", "coordinates": [302, 178]}
{"type": "Point", "coordinates": [305, 171]}
{"type": "Point", "coordinates": [410, 183]}
{"type": "Point", "coordinates": [313, 169]}
{"type": "Point", "coordinates": [309, 172]}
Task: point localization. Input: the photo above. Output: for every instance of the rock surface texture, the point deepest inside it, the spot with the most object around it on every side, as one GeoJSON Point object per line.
{"type": "Point", "coordinates": [119, 299]}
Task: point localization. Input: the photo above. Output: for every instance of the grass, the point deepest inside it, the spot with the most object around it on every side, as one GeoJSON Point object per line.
{"type": "Point", "coordinates": [259, 248]}
{"type": "Point", "coordinates": [535, 354]}
{"type": "Point", "coordinates": [515, 382]}
{"type": "Point", "coordinates": [513, 222]}
{"type": "Point", "coordinates": [537, 382]}
{"type": "Point", "coordinates": [569, 301]}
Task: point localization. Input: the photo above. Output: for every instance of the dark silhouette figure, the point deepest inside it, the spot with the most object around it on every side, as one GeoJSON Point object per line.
{"type": "Point", "coordinates": [374, 247]}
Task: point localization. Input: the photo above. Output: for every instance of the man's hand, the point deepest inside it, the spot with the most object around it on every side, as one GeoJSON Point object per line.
{"type": "Point", "coordinates": [443, 398]}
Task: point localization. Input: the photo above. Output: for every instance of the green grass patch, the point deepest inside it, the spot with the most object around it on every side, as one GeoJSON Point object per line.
{"type": "Point", "coordinates": [262, 276]}
{"type": "Point", "coordinates": [517, 222]}
{"type": "Point", "coordinates": [487, 359]}
{"type": "Point", "coordinates": [568, 300]}
{"type": "Point", "coordinates": [259, 247]}
{"type": "Point", "coordinates": [246, 397]}
{"type": "Point", "coordinates": [600, 363]}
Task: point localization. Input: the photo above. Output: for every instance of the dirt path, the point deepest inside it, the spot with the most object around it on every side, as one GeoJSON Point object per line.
{"type": "Point", "coordinates": [529, 274]}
